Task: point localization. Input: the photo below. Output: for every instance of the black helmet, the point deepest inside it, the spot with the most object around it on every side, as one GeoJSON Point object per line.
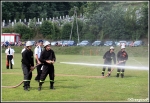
{"type": "Point", "coordinates": [40, 41]}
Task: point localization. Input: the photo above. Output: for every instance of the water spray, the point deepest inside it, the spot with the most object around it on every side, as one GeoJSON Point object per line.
{"type": "Point", "coordinates": [114, 66]}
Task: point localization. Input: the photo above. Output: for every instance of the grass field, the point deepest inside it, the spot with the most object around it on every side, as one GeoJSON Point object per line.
{"type": "Point", "coordinates": [79, 83]}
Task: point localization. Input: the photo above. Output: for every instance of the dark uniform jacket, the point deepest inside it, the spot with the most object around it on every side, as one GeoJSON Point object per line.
{"type": "Point", "coordinates": [27, 58]}
{"type": "Point", "coordinates": [47, 55]}
{"type": "Point", "coordinates": [122, 56]}
{"type": "Point", "coordinates": [109, 56]}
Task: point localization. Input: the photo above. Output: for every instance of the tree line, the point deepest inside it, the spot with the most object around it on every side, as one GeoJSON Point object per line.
{"type": "Point", "coordinates": [102, 20]}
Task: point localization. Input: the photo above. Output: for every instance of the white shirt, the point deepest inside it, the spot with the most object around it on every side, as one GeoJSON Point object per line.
{"type": "Point", "coordinates": [23, 50]}
{"type": "Point", "coordinates": [123, 44]}
{"type": "Point", "coordinates": [37, 51]}
{"type": "Point", "coordinates": [11, 51]}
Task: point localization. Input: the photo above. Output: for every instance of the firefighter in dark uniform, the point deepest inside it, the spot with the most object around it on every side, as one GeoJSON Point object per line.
{"type": "Point", "coordinates": [37, 53]}
{"type": "Point", "coordinates": [9, 56]}
{"type": "Point", "coordinates": [122, 57]}
{"type": "Point", "coordinates": [108, 57]}
{"type": "Point", "coordinates": [47, 58]}
{"type": "Point", "coordinates": [27, 64]}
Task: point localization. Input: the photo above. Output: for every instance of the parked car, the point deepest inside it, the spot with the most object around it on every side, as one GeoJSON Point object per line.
{"type": "Point", "coordinates": [54, 43]}
{"type": "Point", "coordinates": [138, 43]}
{"type": "Point", "coordinates": [65, 43]}
{"type": "Point", "coordinates": [130, 43]}
{"type": "Point", "coordinates": [121, 42]}
{"type": "Point", "coordinates": [34, 43]}
{"type": "Point", "coordinates": [71, 43]}
{"type": "Point", "coordinates": [59, 43]}
{"type": "Point", "coordinates": [109, 43]}
{"type": "Point", "coordinates": [84, 43]}
{"type": "Point", "coordinates": [98, 43]}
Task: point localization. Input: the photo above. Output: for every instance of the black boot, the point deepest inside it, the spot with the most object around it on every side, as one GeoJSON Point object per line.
{"type": "Point", "coordinates": [102, 73]}
{"type": "Point", "coordinates": [26, 88]}
{"type": "Point", "coordinates": [39, 89]}
{"type": "Point", "coordinates": [40, 86]}
{"type": "Point", "coordinates": [51, 85]}
{"type": "Point", "coordinates": [122, 75]}
{"type": "Point", "coordinates": [117, 75]}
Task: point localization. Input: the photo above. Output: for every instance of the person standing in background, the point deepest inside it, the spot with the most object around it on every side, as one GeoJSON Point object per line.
{"type": "Point", "coordinates": [9, 56]}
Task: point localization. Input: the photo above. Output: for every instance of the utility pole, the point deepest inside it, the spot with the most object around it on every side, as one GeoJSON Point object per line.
{"type": "Point", "coordinates": [75, 17]}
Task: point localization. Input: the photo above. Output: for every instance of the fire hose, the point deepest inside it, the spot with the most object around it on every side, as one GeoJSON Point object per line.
{"type": "Point", "coordinates": [21, 81]}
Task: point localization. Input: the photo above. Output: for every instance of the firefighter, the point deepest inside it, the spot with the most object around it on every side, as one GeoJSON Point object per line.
{"type": "Point", "coordinates": [108, 56]}
{"type": "Point", "coordinates": [37, 53]}
{"type": "Point", "coordinates": [9, 56]}
{"type": "Point", "coordinates": [122, 57]}
{"type": "Point", "coordinates": [47, 58]}
{"type": "Point", "coordinates": [27, 64]}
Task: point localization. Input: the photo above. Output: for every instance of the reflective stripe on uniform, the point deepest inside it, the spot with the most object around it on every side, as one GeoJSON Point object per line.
{"type": "Point", "coordinates": [26, 80]}
{"type": "Point", "coordinates": [47, 81]}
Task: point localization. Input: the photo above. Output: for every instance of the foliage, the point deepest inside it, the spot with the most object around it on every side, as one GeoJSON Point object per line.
{"type": "Point", "coordinates": [102, 20]}
{"type": "Point", "coordinates": [29, 10]}
{"type": "Point", "coordinates": [23, 30]}
{"type": "Point", "coordinates": [57, 32]}
{"type": "Point", "coordinates": [47, 29]}
{"type": "Point", "coordinates": [7, 30]}
{"type": "Point", "coordinates": [143, 24]}
{"type": "Point", "coordinates": [66, 31]}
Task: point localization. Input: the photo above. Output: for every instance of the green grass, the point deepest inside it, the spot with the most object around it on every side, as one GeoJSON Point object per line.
{"type": "Point", "coordinates": [91, 50]}
{"type": "Point", "coordinates": [72, 83]}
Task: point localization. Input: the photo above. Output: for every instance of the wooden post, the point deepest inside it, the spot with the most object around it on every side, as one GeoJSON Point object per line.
{"type": "Point", "coordinates": [90, 52]}
{"type": "Point", "coordinates": [83, 52]}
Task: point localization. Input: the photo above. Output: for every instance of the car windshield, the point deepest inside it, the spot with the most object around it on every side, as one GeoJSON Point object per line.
{"type": "Point", "coordinates": [137, 41]}
{"type": "Point", "coordinates": [70, 41]}
{"type": "Point", "coordinates": [108, 42]}
{"type": "Point", "coordinates": [122, 41]}
{"type": "Point", "coordinates": [65, 41]}
{"type": "Point", "coordinates": [97, 41]}
{"type": "Point", "coordinates": [84, 41]}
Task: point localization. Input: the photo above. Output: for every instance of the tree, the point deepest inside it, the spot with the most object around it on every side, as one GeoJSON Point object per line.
{"type": "Point", "coordinates": [143, 19]}
{"type": "Point", "coordinates": [23, 30]}
{"type": "Point", "coordinates": [47, 29]}
{"type": "Point", "coordinates": [65, 31]}
{"type": "Point", "coordinates": [57, 30]}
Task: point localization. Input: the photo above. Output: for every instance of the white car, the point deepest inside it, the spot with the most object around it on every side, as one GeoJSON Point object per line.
{"type": "Point", "coordinates": [53, 43]}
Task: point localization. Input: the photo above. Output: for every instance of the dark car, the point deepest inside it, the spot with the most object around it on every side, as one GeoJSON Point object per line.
{"type": "Point", "coordinates": [109, 43]}
{"type": "Point", "coordinates": [71, 43]}
{"type": "Point", "coordinates": [138, 43]}
{"type": "Point", "coordinates": [65, 43]}
{"type": "Point", "coordinates": [98, 43]}
{"type": "Point", "coordinates": [84, 43]}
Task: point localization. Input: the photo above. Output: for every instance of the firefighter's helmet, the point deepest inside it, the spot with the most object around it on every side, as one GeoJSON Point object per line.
{"type": "Point", "coordinates": [46, 43]}
{"type": "Point", "coordinates": [29, 43]}
{"type": "Point", "coordinates": [111, 47]}
{"type": "Point", "coordinates": [123, 47]}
